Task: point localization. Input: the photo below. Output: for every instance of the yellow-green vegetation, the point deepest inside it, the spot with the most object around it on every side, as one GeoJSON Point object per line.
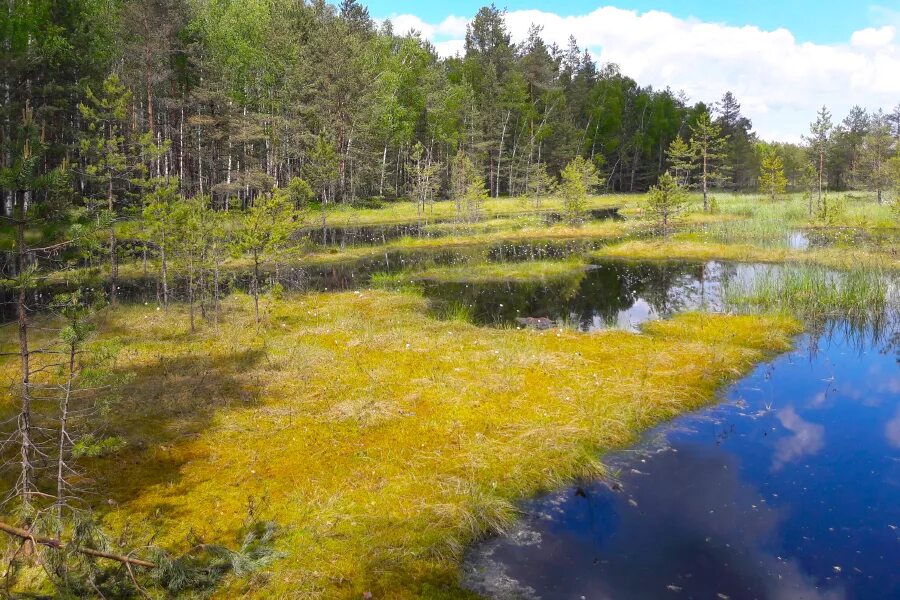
{"type": "Point", "coordinates": [380, 439]}
{"type": "Point", "coordinates": [486, 272]}
{"type": "Point", "coordinates": [407, 212]}
{"type": "Point", "coordinates": [687, 249]}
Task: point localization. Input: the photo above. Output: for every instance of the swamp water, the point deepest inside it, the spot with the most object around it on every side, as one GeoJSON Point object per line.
{"type": "Point", "coordinates": [605, 294]}
{"type": "Point", "coordinates": [788, 489]}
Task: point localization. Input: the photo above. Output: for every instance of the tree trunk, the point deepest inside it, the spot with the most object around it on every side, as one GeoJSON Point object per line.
{"type": "Point", "coordinates": [383, 167]}
{"type": "Point", "coordinates": [500, 156]}
{"type": "Point", "coordinates": [164, 272]}
{"type": "Point", "coordinates": [26, 478]}
{"type": "Point", "coordinates": [113, 264]}
{"type": "Point", "coordinates": [705, 185]}
{"type": "Point", "coordinates": [63, 437]}
{"type": "Point", "coordinates": [191, 288]}
{"type": "Point", "coordinates": [256, 284]}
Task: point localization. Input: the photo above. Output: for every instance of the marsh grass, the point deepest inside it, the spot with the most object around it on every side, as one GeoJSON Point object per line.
{"type": "Point", "coordinates": [445, 210]}
{"type": "Point", "coordinates": [382, 440]}
{"type": "Point", "coordinates": [689, 248]}
{"type": "Point", "coordinates": [816, 294]}
{"type": "Point", "coordinates": [762, 221]}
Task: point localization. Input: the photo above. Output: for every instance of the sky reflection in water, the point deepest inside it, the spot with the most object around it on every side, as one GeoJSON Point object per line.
{"type": "Point", "coordinates": [791, 489]}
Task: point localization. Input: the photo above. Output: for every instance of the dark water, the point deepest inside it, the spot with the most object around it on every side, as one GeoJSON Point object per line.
{"type": "Point", "coordinates": [338, 276]}
{"type": "Point", "coordinates": [789, 489]}
{"type": "Point", "coordinates": [608, 294]}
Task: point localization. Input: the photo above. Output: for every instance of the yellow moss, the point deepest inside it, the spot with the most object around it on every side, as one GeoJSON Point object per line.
{"type": "Point", "coordinates": [383, 440]}
{"type": "Point", "coordinates": [676, 249]}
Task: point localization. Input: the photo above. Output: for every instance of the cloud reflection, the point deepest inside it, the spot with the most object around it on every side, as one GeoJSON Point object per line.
{"type": "Point", "coordinates": [807, 439]}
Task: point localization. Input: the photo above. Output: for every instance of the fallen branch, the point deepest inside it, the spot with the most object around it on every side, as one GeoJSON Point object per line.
{"type": "Point", "coordinates": [58, 545]}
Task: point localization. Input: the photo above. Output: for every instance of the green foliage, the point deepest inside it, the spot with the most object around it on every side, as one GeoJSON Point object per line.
{"type": "Point", "coordinates": [708, 146]}
{"type": "Point", "coordinates": [461, 173]}
{"type": "Point", "coordinates": [299, 193]}
{"type": "Point", "coordinates": [194, 573]}
{"type": "Point", "coordinates": [682, 160]}
{"type": "Point", "coordinates": [93, 446]}
{"type": "Point", "coordinates": [665, 202]}
{"type": "Point", "coordinates": [266, 228]}
{"type": "Point", "coordinates": [204, 566]}
{"type": "Point", "coordinates": [540, 184]}
{"type": "Point", "coordinates": [578, 179]}
{"type": "Point", "coordinates": [772, 181]}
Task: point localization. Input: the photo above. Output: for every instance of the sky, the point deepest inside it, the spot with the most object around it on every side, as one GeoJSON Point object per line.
{"type": "Point", "coordinates": [782, 59]}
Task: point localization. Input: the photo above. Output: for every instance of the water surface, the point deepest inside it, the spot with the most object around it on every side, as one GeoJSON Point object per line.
{"type": "Point", "coordinates": [789, 489]}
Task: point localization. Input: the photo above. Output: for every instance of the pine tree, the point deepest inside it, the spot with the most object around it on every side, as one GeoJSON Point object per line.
{"type": "Point", "coordinates": [263, 234]}
{"type": "Point", "coordinates": [708, 146]}
{"type": "Point", "coordinates": [476, 195]}
{"type": "Point", "coordinates": [540, 184]}
{"type": "Point", "coordinates": [109, 162]}
{"type": "Point", "coordinates": [818, 143]}
{"type": "Point", "coordinates": [578, 179]}
{"type": "Point", "coordinates": [665, 201]}
{"type": "Point", "coordinates": [772, 181]}
{"type": "Point", "coordinates": [877, 147]}
{"type": "Point", "coordinates": [681, 160]}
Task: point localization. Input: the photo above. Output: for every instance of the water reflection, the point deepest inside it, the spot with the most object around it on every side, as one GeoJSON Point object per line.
{"type": "Point", "coordinates": [791, 489]}
{"type": "Point", "coordinates": [610, 294]}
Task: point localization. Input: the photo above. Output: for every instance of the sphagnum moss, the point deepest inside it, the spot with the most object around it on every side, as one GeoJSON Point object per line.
{"type": "Point", "coordinates": [681, 249]}
{"type": "Point", "coordinates": [382, 440]}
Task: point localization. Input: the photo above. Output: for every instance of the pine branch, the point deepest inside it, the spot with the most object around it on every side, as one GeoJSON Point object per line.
{"type": "Point", "coordinates": [59, 545]}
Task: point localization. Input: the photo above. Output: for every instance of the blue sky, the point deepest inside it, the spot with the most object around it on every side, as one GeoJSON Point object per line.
{"type": "Point", "coordinates": [783, 60]}
{"type": "Point", "coordinates": [823, 21]}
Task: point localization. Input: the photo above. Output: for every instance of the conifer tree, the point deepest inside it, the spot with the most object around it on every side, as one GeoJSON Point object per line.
{"type": "Point", "coordinates": [772, 181]}
{"type": "Point", "coordinates": [708, 146]}
{"type": "Point", "coordinates": [665, 202]}
{"type": "Point", "coordinates": [681, 160]}
{"type": "Point", "coordinates": [818, 143]}
{"type": "Point", "coordinates": [578, 179]}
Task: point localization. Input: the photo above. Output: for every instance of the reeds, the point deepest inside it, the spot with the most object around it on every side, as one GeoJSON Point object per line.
{"type": "Point", "coordinates": [816, 293]}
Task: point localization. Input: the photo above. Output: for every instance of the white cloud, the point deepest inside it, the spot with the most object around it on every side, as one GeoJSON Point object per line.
{"type": "Point", "coordinates": [452, 26]}
{"type": "Point", "coordinates": [873, 37]}
{"type": "Point", "coordinates": [779, 81]}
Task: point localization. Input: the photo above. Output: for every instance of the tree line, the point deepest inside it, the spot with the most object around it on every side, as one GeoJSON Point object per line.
{"type": "Point", "coordinates": [234, 99]}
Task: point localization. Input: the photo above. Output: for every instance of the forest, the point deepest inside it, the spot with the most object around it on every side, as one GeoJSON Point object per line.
{"type": "Point", "coordinates": [293, 306]}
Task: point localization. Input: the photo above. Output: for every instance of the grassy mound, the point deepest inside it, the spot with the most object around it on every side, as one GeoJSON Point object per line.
{"type": "Point", "coordinates": [383, 440]}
